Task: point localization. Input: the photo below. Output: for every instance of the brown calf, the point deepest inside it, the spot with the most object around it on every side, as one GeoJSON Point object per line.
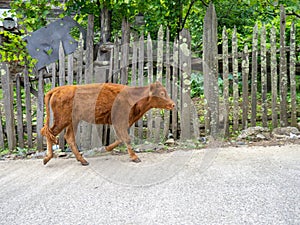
{"type": "Point", "coordinates": [106, 103]}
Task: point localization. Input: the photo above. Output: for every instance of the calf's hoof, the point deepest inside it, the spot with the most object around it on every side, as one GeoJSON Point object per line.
{"type": "Point", "coordinates": [84, 163]}
{"type": "Point", "coordinates": [136, 160]}
{"type": "Point", "coordinates": [45, 160]}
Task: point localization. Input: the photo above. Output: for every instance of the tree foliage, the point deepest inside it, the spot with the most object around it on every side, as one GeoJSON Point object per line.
{"type": "Point", "coordinates": [174, 14]}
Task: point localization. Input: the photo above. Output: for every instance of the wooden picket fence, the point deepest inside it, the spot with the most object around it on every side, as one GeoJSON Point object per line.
{"type": "Point", "coordinates": [239, 107]}
{"type": "Point", "coordinates": [136, 63]}
{"type": "Point", "coordinates": [142, 61]}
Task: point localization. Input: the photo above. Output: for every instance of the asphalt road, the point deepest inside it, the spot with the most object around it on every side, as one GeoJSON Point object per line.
{"type": "Point", "coordinates": [243, 185]}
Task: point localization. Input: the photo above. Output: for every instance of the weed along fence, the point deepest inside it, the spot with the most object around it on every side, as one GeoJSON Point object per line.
{"type": "Point", "coordinates": [138, 61]}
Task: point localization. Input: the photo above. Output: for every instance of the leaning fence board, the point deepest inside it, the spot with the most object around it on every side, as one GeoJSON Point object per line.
{"type": "Point", "coordinates": [282, 69]}
{"type": "Point", "coordinates": [125, 51]}
{"type": "Point", "coordinates": [150, 80]}
{"type": "Point", "coordinates": [70, 69]}
{"type": "Point", "coordinates": [134, 64]}
{"type": "Point", "coordinates": [2, 141]}
{"type": "Point", "coordinates": [61, 82]}
{"type": "Point", "coordinates": [86, 129]}
{"type": "Point", "coordinates": [141, 52]}
{"type": "Point", "coordinates": [293, 76]}
{"type": "Point", "coordinates": [20, 130]}
{"type": "Point", "coordinates": [79, 77]}
{"type": "Point", "coordinates": [28, 108]}
{"type": "Point", "coordinates": [254, 77]}
{"type": "Point", "coordinates": [7, 87]}
{"type": "Point", "coordinates": [160, 58]}
{"type": "Point", "coordinates": [225, 80]}
{"type": "Point", "coordinates": [175, 89]}
{"type": "Point", "coordinates": [274, 77]}
{"type": "Point", "coordinates": [263, 59]}
{"type": "Point", "coordinates": [168, 86]}
{"type": "Point", "coordinates": [116, 60]}
{"type": "Point", "coordinates": [235, 87]}
{"type": "Point", "coordinates": [210, 71]}
{"type": "Point", "coordinates": [186, 67]}
{"type": "Point", "coordinates": [40, 111]}
{"type": "Point", "coordinates": [245, 75]}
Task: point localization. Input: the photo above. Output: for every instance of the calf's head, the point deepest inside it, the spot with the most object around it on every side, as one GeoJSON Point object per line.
{"type": "Point", "coordinates": [159, 97]}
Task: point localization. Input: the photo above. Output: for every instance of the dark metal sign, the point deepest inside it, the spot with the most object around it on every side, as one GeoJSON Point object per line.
{"type": "Point", "coordinates": [43, 44]}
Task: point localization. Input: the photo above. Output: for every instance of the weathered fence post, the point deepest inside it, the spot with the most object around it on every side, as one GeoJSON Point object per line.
{"type": "Point", "coordinates": [263, 59]}
{"type": "Point", "coordinates": [245, 74]}
{"type": "Point", "coordinates": [28, 108]}
{"type": "Point", "coordinates": [185, 69]}
{"type": "Point", "coordinates": [175, 89]}
{"type": "Point", "coordinates": [282, 69]}
{"type": "Point", "coordinates": [7, 86]}
{"type": "Point", "coordinates": [2, 145]}
{"type": "Point", "coordinates": [160, 58]}
{"type": "Point", "coordinates": [79, 78]}
{"type": "Point", "coordinates": [116, 61]}
{"type": "Point", "coordinates": [61, 82]}
{"type": "Point", "coordinates": [141, 55]}
{"type": "Point", "coordinates": [235, 67]}
{"type": "Point", "coordinates": [293, 76]}
{"type": "Point", "coordinates": [125, 51]}
{"type": "Point", "coordinates": [225, 80]}
{"type": "Point", "coordinates": [274, 79]}
{"type": "Point", "coordinates": [86, 134]}
{"type": "Point", "coordinates": [40, 110]}
{"type": "Point", "coordinates": [150, 80]}
{"type": "Point", "coordinates": [20, 130]}
{"type": "Point", "coordinates": [134, 70]}
{"type": "Point", "coordinates": [168, 86]}
{"type": "Point", "coordinates": [70, 69]}
{"type": "Point", "coordinates": [210, 70]}
{"type": "Point", "coordinates": [254, 77]}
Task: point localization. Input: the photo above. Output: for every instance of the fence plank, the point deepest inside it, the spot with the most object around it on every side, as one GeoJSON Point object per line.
{"type": "Point", "coordinates": [186, 67]}
{"type": "Point", "coordinates": [40, 111]}
{"type": "Point", "coordinates": [274, 78]}
{"type": "Point", "coordinates": [28, 108]}
{"type": "Point", "coordinates": [7, 87]}
{"type": "Point", "coordinates": [86, 129]}
{"type": "Point", "coordinates": [210, 71]}
{"type": "Point", "coordinates": [245, 74]}
{"type": "Point", "coordinates": [134, 61]}
{"type": "Point", "coordinates": [20, 129]}
{"type": "Point", "coordinates": [141, 80]}
{"type": "Point", "coordinates": [254, 77]}
{"type": "Point", "coordinates": [70, 69]}
{"type": "Point", "coordinates": [235, 66]}
{"type": "Point", "coordinates": [79, 77]}
{"type": "Point", "coordinates": [168, 87]}
{"type": "Point", "coordinates": [125, 51]}
{"type": "Point", "coordinates": [225, 80]}
{"type": "Point", "coordinates": [150, 80]}
{"type": "Point", "coordinates": [53, 71]}
{"type": "Point", "coordinates": [160, 58]}
{"type": "Point", "coordinates": [282, 69]}
{"type": "Point", "coordinates": [116, 61]}
{"type": "Point", "coordinates": [263, 59]}
{"type": "Point", "coordinates": [293, 75]}
{"type": "Point", "coordinates": [2, 144]}
{"type": "Point", "coordinates": [61, 82]}
{"type": "Point", "coordinates": [175, 89]}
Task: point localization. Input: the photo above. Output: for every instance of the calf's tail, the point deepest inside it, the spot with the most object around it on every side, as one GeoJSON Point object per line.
{"type": "Point", "coordinates": [45, 131]}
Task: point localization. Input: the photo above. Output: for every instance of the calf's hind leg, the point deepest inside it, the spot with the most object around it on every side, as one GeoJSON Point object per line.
{"type": "Point", "coordinates": [49, 152]}
{"type": "Point", "coordinates": [70, 138]}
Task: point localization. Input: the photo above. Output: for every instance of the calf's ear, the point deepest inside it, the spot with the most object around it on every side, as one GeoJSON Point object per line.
{"type": "Point", "coordinates": [152, 87]}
